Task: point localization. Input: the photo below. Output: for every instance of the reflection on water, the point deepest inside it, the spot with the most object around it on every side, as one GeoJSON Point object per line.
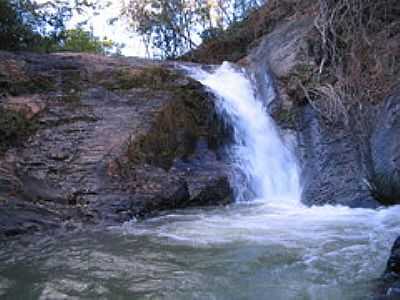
{"type": "Point", "coordinates": [253, 251]}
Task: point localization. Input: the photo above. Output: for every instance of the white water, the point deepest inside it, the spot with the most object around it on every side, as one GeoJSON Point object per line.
{"type": "Point", "coordinates": [265, 165]}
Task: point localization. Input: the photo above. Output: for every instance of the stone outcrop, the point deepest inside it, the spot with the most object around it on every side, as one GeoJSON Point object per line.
{"type": "Point", "coordinates": [109, 139]}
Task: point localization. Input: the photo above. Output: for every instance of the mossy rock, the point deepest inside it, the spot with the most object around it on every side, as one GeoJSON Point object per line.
{"type": "Point", "coordinates": [14, 128]}
{"type": "Point", "coordinates": [286, 118]}
{"type": "Point", "coordinates": [154, 78]}
{"type": "Point", "coordinates": [176, 130]}
{"type": "Point", "coordinates": [302, 80]}
{"type": "Point", "coordinates": [16, 79]}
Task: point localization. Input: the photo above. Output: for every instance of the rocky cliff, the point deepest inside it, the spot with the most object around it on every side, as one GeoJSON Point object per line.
{"type": "Point", "coordinates": [343, 119]}
{"type": "Point", "coordinates": [91, 139]}
{"type": "Point", "coordinates": [340, 145]}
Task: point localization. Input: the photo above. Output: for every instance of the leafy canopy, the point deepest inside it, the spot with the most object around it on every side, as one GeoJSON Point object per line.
{"type": "Point", "coordinates": [27, 25]}
{"type": "Point", "coordinates": [176, 26]}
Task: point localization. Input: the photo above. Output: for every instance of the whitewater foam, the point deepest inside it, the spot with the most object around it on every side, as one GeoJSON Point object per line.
{"type": "Point", "coordinates": [264, 165]}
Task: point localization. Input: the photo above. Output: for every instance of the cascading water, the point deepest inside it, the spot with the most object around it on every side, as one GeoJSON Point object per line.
{"type": "Point", "coordinates": [268, 166]}
{"type": "Point", "coordinates": [269, 249]}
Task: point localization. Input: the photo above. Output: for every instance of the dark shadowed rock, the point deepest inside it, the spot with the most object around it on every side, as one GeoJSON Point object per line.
{"type": "Point", "coordinates": [335, 162]}
{"type": "Point", "coordinates": [20, 217]}
{"type": "Point", "coordinates": [385, 148]}
{"type": "Point", "coordinates": [390, 286]}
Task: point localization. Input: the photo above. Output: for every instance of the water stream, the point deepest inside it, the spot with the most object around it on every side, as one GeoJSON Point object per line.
{"type": "Point", "coordinates": [271, 247]}
{"type": "Point", "coordinates": [264, 164]}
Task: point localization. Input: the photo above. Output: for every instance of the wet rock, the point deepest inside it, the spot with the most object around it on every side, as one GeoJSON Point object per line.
{"type": "Point", "coordinates": [385, 148]}
{"type": "Point", "coordinates": [335, 163]}
{"type": "Point", "coordinates": [36, 190]}
{"type": "Point", "coordinates": [21, 217]}
{"type": "Point", "coordinates": [175, 195]}
{"type": "Point", "coordinates": [207, 178]}
{"type": "Point", "coordinates": [390, 286]}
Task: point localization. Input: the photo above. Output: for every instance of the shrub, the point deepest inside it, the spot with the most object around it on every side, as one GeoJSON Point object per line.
{"type": "Point", "coordinates": [14, 128]}
{"type": "Point", "coordinates": [359, 56]}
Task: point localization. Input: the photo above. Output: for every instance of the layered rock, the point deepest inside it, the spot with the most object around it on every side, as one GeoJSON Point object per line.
{"type": "Point", "coordinates": [111, 139]}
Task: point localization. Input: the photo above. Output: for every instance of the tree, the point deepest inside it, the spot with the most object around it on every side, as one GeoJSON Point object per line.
{"type": "Point", "coordinates": [79, 40]}
{"type": "Point", "coordinates": [27, 25]}
{"type": "Point", "coordinates": [176, 26]}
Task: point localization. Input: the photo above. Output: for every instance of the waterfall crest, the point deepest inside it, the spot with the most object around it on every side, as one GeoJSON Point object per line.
{"type": "Point", "coordinates": [266, 166]}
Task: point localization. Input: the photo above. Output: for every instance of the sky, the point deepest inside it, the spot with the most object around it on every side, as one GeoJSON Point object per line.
{"type": "Point", "coordinates": [117, 32]}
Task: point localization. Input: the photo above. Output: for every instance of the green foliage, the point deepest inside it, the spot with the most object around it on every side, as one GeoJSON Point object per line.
{"type": "Point", "coordinates": [26, 25]}
{"type": "Point", "coordinates": [14, 127]}
{"type": "Point", "coordinates": [16, 26]}
{"type": "Point", "coordinates": [176, 26]}
{"type": "Point", "coordinates": [79, 40]}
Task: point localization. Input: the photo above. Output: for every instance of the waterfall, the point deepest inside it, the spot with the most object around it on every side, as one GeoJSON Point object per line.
{"type": "Point", "coordinates": [264, 165]}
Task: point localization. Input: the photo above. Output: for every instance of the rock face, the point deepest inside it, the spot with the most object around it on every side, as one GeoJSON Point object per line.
{"type": "Point", "coordinates": [385, 147]}
{"type": "Point", "coordinates": [335, 163]}
{"type": "Point", "coordinates": [111, 139]}
{"type": "Point", "coordinates": [335, 155]}
{"type": "Point", "coordinates": [352, 159]}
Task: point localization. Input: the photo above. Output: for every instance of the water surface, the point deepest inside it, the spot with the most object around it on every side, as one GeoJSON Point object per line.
{"type": "Point", "coordinates": [254, 251]}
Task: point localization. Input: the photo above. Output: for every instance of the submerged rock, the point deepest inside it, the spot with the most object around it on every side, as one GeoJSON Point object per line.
{"type": "Point", "coordinates": [114, 138]}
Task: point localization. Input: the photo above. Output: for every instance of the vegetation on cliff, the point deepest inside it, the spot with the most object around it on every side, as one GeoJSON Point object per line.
{"type": "Point", "coordinates": [180, 124]}
{"type": "Point", "coordinates": [172, 28]}
{"type": "Point", "coordinates": [359, 52]}
{"type": "Point", "coordinates": [14, 127]}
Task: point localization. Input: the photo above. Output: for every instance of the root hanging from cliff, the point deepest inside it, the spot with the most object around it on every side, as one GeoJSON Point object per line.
{"type": "Point", "coordinates": [360, 50]}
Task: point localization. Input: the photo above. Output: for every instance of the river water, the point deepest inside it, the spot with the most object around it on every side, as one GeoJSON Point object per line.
{"type": "Point", "coordinates": [265, 246]}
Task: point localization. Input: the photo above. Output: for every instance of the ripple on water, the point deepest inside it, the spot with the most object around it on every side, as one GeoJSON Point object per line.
{"type": "Point", "coordinates": [239, 252]}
